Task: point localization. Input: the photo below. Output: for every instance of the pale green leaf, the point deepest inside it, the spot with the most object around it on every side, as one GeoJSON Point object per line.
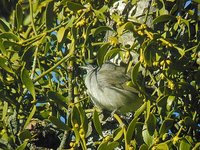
{"type": "Point", "coordinates": [26, 80]}
{"type": "Point", "coordinates": [97, 123]}
{"type": "Point", "coordinates": [30, 116]}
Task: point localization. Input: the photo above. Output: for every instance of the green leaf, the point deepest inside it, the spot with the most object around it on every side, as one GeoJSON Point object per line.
{"type": "Point", "coordinates": [5, 110]}
{"type": "Point", "coordinates": [196, 1]}
{"type": "Point", "coordinates": [162, 102]}
{"type": "Point", "coordinates": [58, 98]}
{"type": "Point", "coordinates": [103, 145]}
{"type": "Point", "coordinates": [197, 146]}
{"type": "Point", "coordinates": [149, 53]}
{"type": "Point", "coordinates": [140, 110]}
{"type": "Point", "coordinates": [180, 50]}
{"type": "Point", "coordinates": [49, 15]}
{"type": "Point", "coordinates": [170, 101]}
{"type": "Point", "coordinates": [97, 123]}
{"type": "Point", "coordinates": [26, 80]}
{"type": "Point", "coordinates": [134, 73]}
{"type": "Point", "coordinates": [144, 147]}
{"type": "Point", "coordinates": [166, 125]}
{"type": "Point", "coordinates": [84, 119]}
{"type": "Point", "coordinates": [164, 18]}
{"type": "Point", "coordinates": [118, 133]}
{"type": "Point", "coordinates": [185, 145]}
{"type": "Point", "coordinates": [100, 29]}
{"type": "Point", "coordinates": [25, 134]}
{"type": "Point", "coordinates": [112, 145]}
{"type": "Point", "coordinates": [2, 48]}
{"type": "Point", "coordinates": [130, 130]}
{"type": "Point", "coordinates": [148, 139]}
{"type": "Point", "coordinates": [58, 123]}
{"type": "Point", "coordinates": [148, 109]}
{"type": "Point", "coordinates": [151, 124]}
{"type": "Point", "coordinates": [111, 53]}
{"type": "Point", "coordinates": [61, 33]}
{"type": "Point", "coordinates": [4, 66]}
{"type": "Point", "coordinates": [100, 15]}
{"type": "Point", "coordinates": [70, 23]}
{"type": "Point", "coordinates": [19, 15]}
{"type": "Point", "coordinates": [30, 116]}
{"type": "Point", "coordinates": [133, 2]}
{"type": "Point", "coordinates": [163, 146]}
{"type": "Point", "coordinates": [126, 26]}
{"type": "Point", "coordinates": [9, 36]}
{"type": "Point", "coordinates": [4, 26]}
{"type": "Point", "coordinates": [74, 6]}
{"type": "Point", "coordinates": [101, 53]}
{"type": "Point", "coordinates": [75, 122]}
{"type": "Point", "coordinates": [22, 146]}
{"type": "Point", "coordinates": [75, 118]}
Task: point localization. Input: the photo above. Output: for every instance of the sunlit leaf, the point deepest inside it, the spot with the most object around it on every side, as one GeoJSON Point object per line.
{"type": "Point", "coordinates": [61, 33]}
{"type": "Point", "coordinates": [2, 48]}
{"type": "Point", "coordinates": [196, 1]}
{"type": "Point", "coordinates": [184, 144]}
{"type": "Point", "coordinates": [143, 147]}
{"type": "Point", "coordinates": [112, 145]}
{"type": "Point", "coordinates": [22, 146]}
{"type": "Point", "coordinates": [4, 26]}
{"type": "Point", "coordinates": [101, 53]}
{"type": "Point", "coordinates": [162, 146]}
{"type": "Point", "coordinates": [100, 15]}
{"type": "Point", "coordinates": [5, 110]}
{"type": "Point", "coordinates": [148, 139]}
{"type": "Point", "coordinates": [75, 118]}
{"type": "Point", "coordinates": [134, 73]}
{"type": "Point", "coordinates": [197, 146]}
{"type": "Point", "coordinates": [126, 26]}
{"type": "Point", "coordinates": [118, 133]}
{"type": "Point", "coordinates": [111, 53]}
{"type": "Point", "coordinates": [130, 130]}
{"type": "Point", "coordinates": [97, 123]}
{"type": "Point", "coordinates": [9, 36]}
{"type": "Point", "coordinates": [180, 50]}
{"type": "Point", "coordinates": [4, 66]}
{"type": "Point", "coordinates": [26, 80]}
{"type": "Point", "coordinates": [30, 116]}
{"type": "Point", "coordinates": [103, 145]}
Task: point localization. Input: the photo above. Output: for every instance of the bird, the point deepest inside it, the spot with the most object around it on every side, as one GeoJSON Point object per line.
{"type": "Point", "coordinates": [108, 89]}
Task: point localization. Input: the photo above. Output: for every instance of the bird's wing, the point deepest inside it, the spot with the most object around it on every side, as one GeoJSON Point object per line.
{"type": "Point", "coordinates": [115, 77]}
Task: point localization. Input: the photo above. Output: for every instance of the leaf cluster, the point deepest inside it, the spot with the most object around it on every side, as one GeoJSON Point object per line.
{"type": "Point", "coordinates": [42, 92]}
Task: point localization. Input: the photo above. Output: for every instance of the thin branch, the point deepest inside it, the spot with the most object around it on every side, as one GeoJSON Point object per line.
{"type": "Point", "coordinates": [52, 68]}
{"type": "Point", "coordinates": [32, 18]}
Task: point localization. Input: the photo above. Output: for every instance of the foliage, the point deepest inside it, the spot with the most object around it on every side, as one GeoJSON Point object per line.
{"type": "Point", "coordinates": [42, 93]}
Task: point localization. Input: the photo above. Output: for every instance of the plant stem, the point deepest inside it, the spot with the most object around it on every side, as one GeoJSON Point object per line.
{"type": "Point", "coordinates": [52, 68]}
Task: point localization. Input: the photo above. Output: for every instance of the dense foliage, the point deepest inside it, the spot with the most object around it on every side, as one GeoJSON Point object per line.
{"type": "Point", "coordinates": [42, 94]}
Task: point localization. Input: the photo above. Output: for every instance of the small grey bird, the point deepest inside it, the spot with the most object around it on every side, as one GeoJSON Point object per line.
{"type": "Point", "coordinates": [108, 89]}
